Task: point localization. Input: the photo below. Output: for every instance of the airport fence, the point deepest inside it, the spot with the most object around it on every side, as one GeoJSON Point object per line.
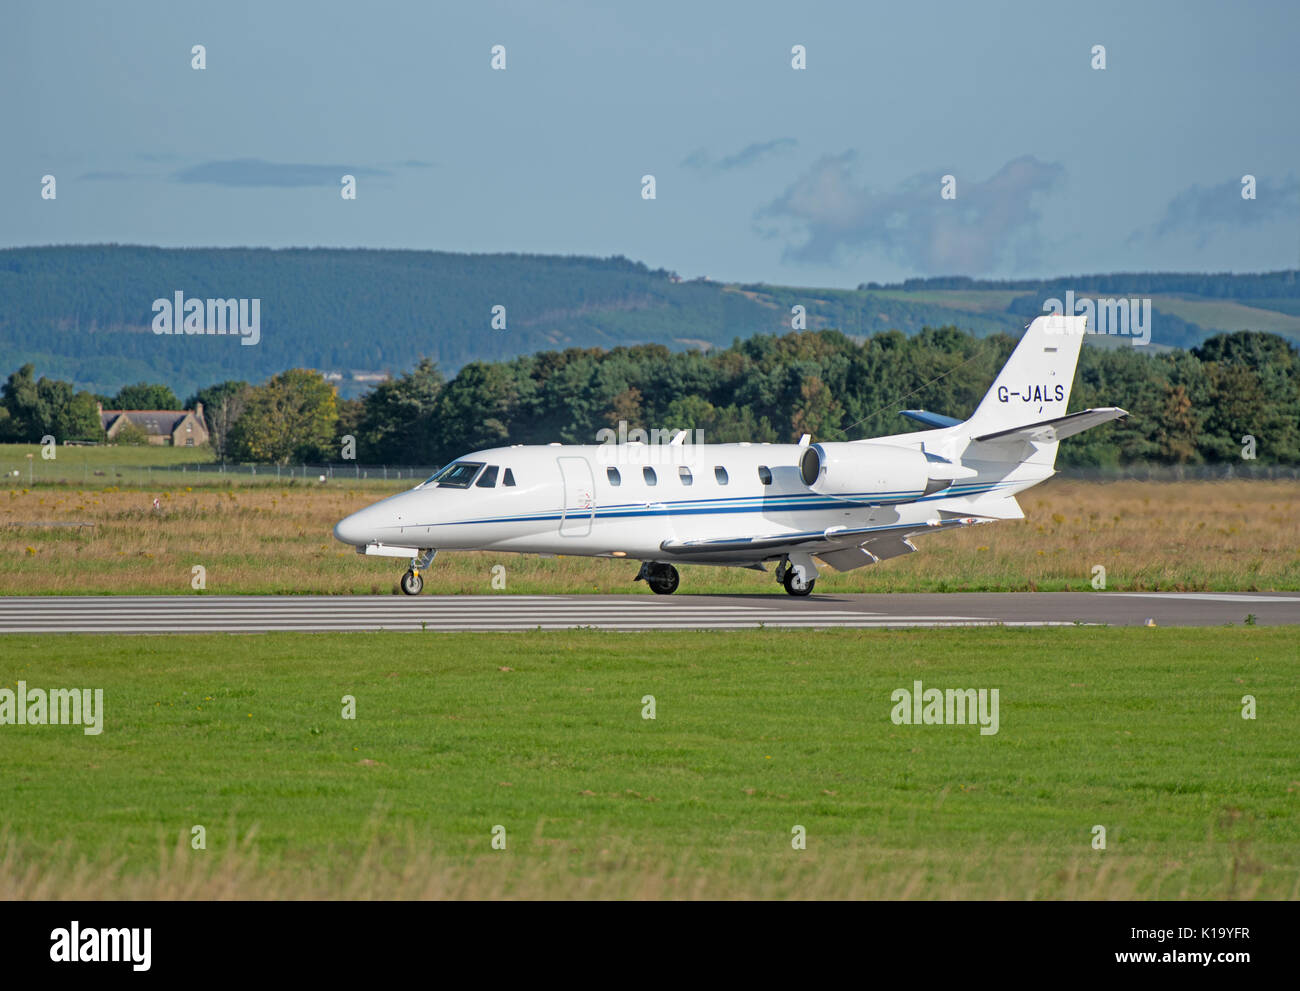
{"type": "Point", "coordinates": [36, 471]}
{"type": "Point", "coordinates": [56, 472]}
{"type": "Point", "coordinates": [417, 473]}
{"type": "Point", "coordinates": [1180, 473]}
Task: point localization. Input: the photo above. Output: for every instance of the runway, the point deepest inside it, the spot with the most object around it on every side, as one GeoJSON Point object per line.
{"type": "Point", "coordinates": [264, 613]}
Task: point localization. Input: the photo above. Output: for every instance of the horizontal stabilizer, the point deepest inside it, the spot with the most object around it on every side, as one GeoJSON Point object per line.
{"type": "Point", "coordinates": [1048, 431]}
{"type": "Point", "coordinates": [925, 417]}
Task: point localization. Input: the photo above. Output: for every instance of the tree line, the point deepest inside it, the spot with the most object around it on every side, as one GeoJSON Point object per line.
{"type": "Point", "coordinates": [1273, 286]}
{"type": "Point", "coordinates": [1187, 406]}
{"type": "Point", "coordinates": [85, 312]}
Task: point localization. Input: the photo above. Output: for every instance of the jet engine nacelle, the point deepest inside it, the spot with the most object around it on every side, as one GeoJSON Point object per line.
{"type": "Point", "coordinates": [877, 473]}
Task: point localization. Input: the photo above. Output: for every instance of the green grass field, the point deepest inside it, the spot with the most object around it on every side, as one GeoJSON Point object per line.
{"type": "Point", "coordinates": [1139, 731]}
{"type": "Point", "coordinates": [145, 466]}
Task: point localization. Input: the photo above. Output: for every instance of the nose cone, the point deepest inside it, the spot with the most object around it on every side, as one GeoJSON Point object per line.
{"type": "Point", "coordinates": [381, 522]}
{"type": "Point", "coordinates": [352, 529]}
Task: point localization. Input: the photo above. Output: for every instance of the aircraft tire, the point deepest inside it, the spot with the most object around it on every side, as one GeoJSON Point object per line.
{"type": "Point", "coordinates": [664, 580]}
{"type": "Point", "coordinates": [411, 583]}
{"type": "Point", "coordinates": [796, 590]}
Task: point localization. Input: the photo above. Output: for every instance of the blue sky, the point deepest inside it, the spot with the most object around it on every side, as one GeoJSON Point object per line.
{"type": "Point", "coordinates": [828, 176]}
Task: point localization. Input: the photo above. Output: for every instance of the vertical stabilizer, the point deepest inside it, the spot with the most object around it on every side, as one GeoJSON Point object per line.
{"type": "Point", "coordinates": [1034, 384]}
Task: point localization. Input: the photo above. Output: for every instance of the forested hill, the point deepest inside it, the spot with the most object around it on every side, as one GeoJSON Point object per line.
{"type": "Point", "coordinates": [84, 313]}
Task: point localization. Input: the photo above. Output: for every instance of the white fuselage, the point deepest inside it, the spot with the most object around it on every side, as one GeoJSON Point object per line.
{"type": "Point", "coordinates": [565, 500]}
{"type": "Point", "coordinates": [850, 504]}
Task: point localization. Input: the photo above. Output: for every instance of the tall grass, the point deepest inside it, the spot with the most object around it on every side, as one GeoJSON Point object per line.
{"type": "Point", "coordinates": [1186, 536]}
{"type": "Point", "coordinates": [408, 870]}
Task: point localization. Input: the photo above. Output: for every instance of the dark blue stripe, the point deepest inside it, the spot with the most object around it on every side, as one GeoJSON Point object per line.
{"type": "Point", "coordinates": [783, 505]}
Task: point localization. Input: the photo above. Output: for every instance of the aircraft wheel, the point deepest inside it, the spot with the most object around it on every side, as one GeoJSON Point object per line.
{"type": "Point", "coordinates": [663, 580]}
{"type": "Point", "coordinates": [411, 583]}
{"type": "Point", "coordinates": [794, 587]}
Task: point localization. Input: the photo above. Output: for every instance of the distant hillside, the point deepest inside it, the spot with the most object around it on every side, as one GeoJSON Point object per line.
{"type": "Point", "coordinates": [1186, 307]}
{"type": "Point", "coordinates": [84, 313]}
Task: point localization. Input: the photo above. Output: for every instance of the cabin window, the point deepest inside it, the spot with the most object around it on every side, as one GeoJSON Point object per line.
{"type": "Point", "coordinates": [765, 474]}
{"type": "Point", "coordinates": [684, 474]}
{"type": "Point", "coordinates": [614, 477]}
{"type": "Point", "coordinates": [650, 477]}
{"type": "Point", "coordinates": [457, 475]}
{"type": "Point", "coordinates": [509, 478]}
{"type": "Point", "coordinates": [720, 473]}
{"type": "Point", "coordinates": [488, 480]}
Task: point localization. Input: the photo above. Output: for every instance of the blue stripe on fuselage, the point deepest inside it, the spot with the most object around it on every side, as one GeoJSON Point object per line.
{"type": "Point", "coordinates": [747, 504]}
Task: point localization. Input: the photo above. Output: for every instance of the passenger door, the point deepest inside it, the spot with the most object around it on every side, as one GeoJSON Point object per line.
{"type": "Point", "coordinates": [579, 497]}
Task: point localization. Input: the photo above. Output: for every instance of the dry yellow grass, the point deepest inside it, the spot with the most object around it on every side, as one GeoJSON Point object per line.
{"type": "Point", "coordinates": [410, 871]}
{"type": "Point", "coordinates": [1238, 535]}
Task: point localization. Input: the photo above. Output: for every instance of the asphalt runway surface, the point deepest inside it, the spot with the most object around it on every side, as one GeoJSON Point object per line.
{"type": "Point", "coordinates": [263, 613]}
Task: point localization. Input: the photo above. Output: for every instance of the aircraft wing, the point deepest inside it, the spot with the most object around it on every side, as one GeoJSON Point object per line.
{"type": "Point", "coordinates": [890, 540]}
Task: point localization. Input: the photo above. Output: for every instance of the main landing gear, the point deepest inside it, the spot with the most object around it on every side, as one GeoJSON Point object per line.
{"type": "Point", "coordinates": [792, 577]}
{"type": "Point", "coordinates": [411, 583]}
{"type": "Point", "coordinates": [662, 578]}
{"type": "Point", "coordinates": [795, 585]}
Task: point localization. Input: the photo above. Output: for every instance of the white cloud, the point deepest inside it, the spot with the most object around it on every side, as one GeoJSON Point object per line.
{"type": "Point", "coordinates": [827, 216]}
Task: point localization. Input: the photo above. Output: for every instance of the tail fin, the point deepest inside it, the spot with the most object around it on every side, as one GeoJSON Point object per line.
{"type": "Point", "coordinates": [1034, 384]}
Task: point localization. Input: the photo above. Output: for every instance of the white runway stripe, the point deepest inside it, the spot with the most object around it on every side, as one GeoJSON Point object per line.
{"type": "Point", "coordinates": [251, 614]}
{"type": "Point", "coordinates": [1208, 596]}
{"type": "Point", "coordinates": [316, 627]}
{"type": "Point", "coordinates": [158, 614]}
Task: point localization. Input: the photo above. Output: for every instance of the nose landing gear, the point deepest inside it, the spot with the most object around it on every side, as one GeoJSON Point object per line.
{"type": "Point", "coordinates": [662, 578]}
{"type": "Point", "coordinates": [411, 583]}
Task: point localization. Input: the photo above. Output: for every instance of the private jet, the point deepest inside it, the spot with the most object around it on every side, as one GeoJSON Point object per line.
{"type": "Point", "coordinates": [846, 504]}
